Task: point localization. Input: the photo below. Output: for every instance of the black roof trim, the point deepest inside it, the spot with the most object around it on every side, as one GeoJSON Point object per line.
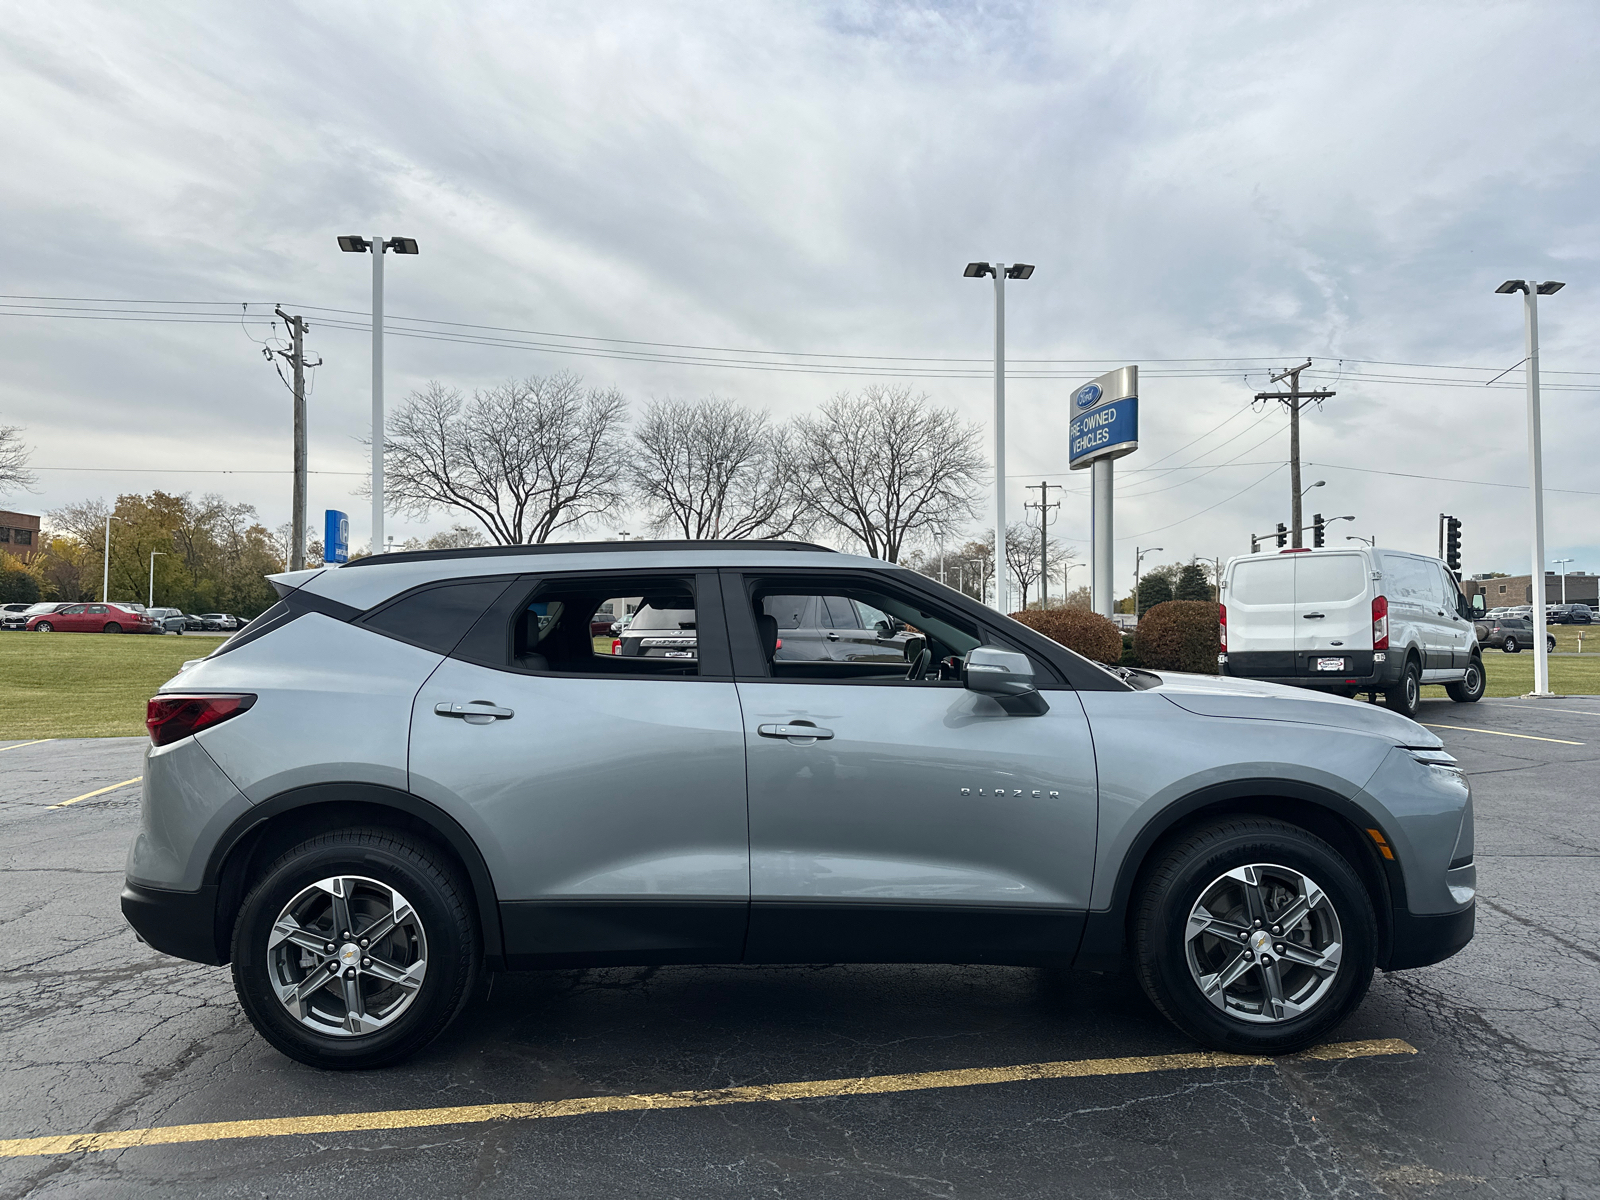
{"type": "Point", "coordinates": [582, 548]}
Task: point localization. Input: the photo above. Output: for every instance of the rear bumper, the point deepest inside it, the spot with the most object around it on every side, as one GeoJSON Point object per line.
{"type": "Point", "coordinates": [182, 924]}
{"type": "Point", "coordinates": [1430, 937]}
{"type": "Point", "coordinates": [1298, 669]}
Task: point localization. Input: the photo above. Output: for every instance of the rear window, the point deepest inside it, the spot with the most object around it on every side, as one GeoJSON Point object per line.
{"type": "Point", "coordinates": [436, 617]}
{"type": "Point", "coordinates": [1413, 579]}
{"type": "Point", "coordinates": [1262, 581]}
{"type": "Point", "coordinates": [1328, 578]}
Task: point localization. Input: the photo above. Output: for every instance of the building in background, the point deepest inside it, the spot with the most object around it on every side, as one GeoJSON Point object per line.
{"type": "Point", "coordinates": [1509, 590]}
{"type": "Point", "coordinates": [19, 535]}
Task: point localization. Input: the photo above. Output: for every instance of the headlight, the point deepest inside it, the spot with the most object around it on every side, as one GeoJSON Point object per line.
{"type": "Point", "coordinates": [1442, 766]}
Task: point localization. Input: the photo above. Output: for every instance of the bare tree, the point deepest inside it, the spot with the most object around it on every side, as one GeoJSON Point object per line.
{"type": "Point", "coordinates": [884, 465]}
{"type": "Point", "coordinates": [527, 460]}
{"type": "Point", "coordinates": [714, 469]}
{"type": "Point", "coordinates": [14, 473]}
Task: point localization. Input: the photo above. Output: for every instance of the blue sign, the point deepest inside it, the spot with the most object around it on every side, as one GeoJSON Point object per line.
{"type": "Point", "coordinates": [1107, 430]}
{"type": "Point", "coordinates": [1085, 396]}
{"type": "Point", "coordinates": [335, 537]}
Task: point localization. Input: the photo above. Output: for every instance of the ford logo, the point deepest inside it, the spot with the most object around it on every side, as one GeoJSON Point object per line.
{"type": "Point", "coordinates": [1087, 394]}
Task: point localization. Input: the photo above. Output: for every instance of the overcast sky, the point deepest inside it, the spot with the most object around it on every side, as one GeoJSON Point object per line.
{"type": "Point", "coordinates": [1249, 185]}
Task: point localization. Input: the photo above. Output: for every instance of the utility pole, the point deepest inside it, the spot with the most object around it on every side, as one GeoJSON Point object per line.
{"type": "Point", "coordinates": [295, 356]}
{"type": "Point", "coordinates": [1044, 506]}
{"type": "Point", "coordinates": [1293, 401]}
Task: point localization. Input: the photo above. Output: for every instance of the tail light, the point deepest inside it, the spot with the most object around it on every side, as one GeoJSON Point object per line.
{"type": "Point", "coordinates": [779, 645]}
{"type": "Point", "coordinates": [616, 645]}
{"type": "Point", "coordinates": [169, 718]}
{"type": "Point", "coordinates": [1380, 622]}
{"type": "Point", "coordinates": [1222, 623]}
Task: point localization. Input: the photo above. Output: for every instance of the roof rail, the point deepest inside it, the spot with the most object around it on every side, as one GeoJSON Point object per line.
{"type": "Point", "coordinates": [582, 548]}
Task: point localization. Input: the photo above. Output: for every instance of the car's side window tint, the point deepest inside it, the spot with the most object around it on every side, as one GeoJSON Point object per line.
{"type": "Point", "coordinates": [643, 625]}
{"type": "Point", "coordinates": [438, 616]}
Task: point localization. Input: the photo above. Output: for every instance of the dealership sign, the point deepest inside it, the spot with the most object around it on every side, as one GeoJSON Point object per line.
{"type": "Point", "coordinates": [335, 537]}
{"type": "Point", "coordinates": [1105, 418]}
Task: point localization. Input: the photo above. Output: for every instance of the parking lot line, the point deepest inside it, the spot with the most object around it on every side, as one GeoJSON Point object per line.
{"type": "Point", "coordinates": [1527, 737]}
{"type": "Point", "coordinates": [101, 792]}
{"type": "Point", "coordinates": [20, 745]}
{"type": "Point", "coordinates": [813, 1089]}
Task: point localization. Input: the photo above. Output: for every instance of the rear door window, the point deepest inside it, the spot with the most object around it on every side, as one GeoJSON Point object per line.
{"type": "Point", "coordinates": [1263, 581]}
{"type": "Point", "coordinates": [1412, 580]}
{"type": "Point", "coordinates": [1328, 579]}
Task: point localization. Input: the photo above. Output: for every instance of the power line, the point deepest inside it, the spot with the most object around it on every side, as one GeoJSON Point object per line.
{"type": "Point", "coordinates": [1208, 508]}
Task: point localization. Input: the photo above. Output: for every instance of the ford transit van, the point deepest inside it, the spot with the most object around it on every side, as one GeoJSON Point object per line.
{"type": "Point", "coordinates": [1350, 621]}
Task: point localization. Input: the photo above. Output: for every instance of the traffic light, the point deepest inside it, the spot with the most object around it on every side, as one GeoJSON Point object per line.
{"type": "Point", "coordinates": [1255, 544]}
{"type": "Point", "coordinates": [1283, 535]}
{"type": "Point", "coordinates": [1318, 528]}
{"type": "Point", "coordinates": [1452, 545]}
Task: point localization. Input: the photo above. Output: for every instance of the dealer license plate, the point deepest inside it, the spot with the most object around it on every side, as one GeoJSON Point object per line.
{"type": "Point", "coordinates": [1330, 664]}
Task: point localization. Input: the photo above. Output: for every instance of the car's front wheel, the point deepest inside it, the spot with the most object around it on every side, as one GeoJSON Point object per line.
{"type": "Point", "coordinates": [1255, 936]}
{"type": "Point", "coordinates": [355, 949]}
{"type": "Point", "coordinates": [44, 627]}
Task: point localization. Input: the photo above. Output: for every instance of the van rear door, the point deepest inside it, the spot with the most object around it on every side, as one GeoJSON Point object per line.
{"type": "Point", "coordinates": [1332, 616]}
{"type": "Point", "coordinates": [1261, 620]}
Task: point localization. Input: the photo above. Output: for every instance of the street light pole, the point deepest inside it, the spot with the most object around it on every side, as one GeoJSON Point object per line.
{"type": "Point", "coordinates": [1563, 562]}
{"type": "Point", "coordinates": [1531, 291]}
{"type": "Point", "coordinates": [154, 554]}
{"type": "Point", "coordinates": [1001, 273]}
{"type": "Point", "coordinates": [354, 244]}
{"type": "Point", "coordinates": [1138, 560]}
{"type": "Point", "coordinates": [105, 567]}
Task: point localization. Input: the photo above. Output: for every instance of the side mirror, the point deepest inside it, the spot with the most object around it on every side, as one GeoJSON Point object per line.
{"type": "Point", "coordinates": [1005, 677]}
{"type": "Point", "coordinates": [884, 629]}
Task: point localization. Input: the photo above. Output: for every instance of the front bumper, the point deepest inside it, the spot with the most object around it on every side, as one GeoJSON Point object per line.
{"type": "Point", "coordinates": [182, 924]}
{"type": "Point", "coordinates": [1420, 940]}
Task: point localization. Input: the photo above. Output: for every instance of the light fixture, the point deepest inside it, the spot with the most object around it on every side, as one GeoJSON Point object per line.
{"type": "Point", "coordinates": [977, 270]}
{"type": "Point", "coordinates": [1549, 287]}
{"type": "Point", "coordinates": [1024, 270]}
{"type": "Point", "coordinates": [402, 245]}
{"type": "Point", "coordinates": [354, 244]}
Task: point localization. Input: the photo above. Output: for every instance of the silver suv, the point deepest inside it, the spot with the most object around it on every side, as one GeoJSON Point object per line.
{"type": "Point", "coordinates": [420, 766]}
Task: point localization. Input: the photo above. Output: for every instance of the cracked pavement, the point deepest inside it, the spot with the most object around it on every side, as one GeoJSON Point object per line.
{"type": "Point", "coordinates": [97, 1032]}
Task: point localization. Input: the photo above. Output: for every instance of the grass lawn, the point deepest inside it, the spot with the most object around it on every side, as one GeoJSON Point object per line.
{"type": "Point", "coordinates": [1512, 674]}
{"type": "Point", "coordinates": [86, 684]}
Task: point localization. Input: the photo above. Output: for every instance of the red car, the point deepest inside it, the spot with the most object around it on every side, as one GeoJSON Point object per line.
{"type": "Point", "coordinates": [91, 618]}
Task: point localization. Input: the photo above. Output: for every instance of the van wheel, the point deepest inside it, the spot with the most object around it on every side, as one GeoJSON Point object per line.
{"type": "Point", "coordinates": [1469, 688]}
{"type": "Point", "coordinates": [1406, 697]}
{"type": "Point", "coordinates": [1510, 646]}
{"type": "Point", "coordinates": [355, 949]}
{"type": "Point", "coordinates": [1255, 936]}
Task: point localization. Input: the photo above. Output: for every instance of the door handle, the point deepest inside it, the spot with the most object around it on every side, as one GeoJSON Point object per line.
{"type": "Point", "coordinates": [831, 636]}
{"type": "Point", "coordinates": [805, 732]}
{"type": "Point", "coordinates": [479, 712]}
{"type": "Point", "coordinates": [1313, 616]}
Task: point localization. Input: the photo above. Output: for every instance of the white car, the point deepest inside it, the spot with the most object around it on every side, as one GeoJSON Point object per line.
{"type": "Point", "coordinates": [1350, 621]}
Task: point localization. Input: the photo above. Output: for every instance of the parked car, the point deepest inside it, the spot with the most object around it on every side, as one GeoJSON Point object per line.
{"type": "Point", "coordinates": [169, 620]}
{"type": "Point", "coordinates": [1511, 634]}
{"type": "Point", "coordinates": [91, 618]}
{"type": "Point", "coordinates": [1350, 621]}
{"type": "Point", "coordinates": [515, 800]}
{"type": "Point", "coordinates": [12, 610]}
{"type": "Point", "coordinates": [218, 622]}
{"type": "Point", "coordinates": [1569, 614]}
{"type": "Point", "coordinates": [18, 621]}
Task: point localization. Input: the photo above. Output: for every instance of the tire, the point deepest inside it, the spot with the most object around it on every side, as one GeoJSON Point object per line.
{"type": "Point", "coordinates": [1550, 644]}
{"type": "Point", "coordinates": [1406, 697]}
{"type": "Point", "coordinates": [44, 627]}
{"type": "Point", "coordinates": [406, 995]}
{"type": "Point", "coordinates": [1510, 646]}
{"type": "Point", "coordinates": [112, 627]}
{"type": "Point", "coordinates": [1469, 689]}
{"type": "Point", "coordinates": [1212, 865]}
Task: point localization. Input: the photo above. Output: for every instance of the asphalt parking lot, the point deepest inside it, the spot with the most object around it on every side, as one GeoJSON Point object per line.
{"type": "Point", "coordinates": [1476, 1077]}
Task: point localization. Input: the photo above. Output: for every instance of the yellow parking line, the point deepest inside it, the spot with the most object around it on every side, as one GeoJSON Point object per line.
{"type": "Point", "coordinates": [101, 792]}
{"type": "Point", "coordinates": [814, 1089]}
{"type": "Point", "coordinates": [20, 745]}
{"type": "Point", "coordinates": [1527, 737]}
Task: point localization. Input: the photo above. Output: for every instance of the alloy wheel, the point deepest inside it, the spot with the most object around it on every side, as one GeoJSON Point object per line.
{"type": "Point", "coordinates": [347, 956]}
{"type": "Point", "coordinates": [1264, 943]}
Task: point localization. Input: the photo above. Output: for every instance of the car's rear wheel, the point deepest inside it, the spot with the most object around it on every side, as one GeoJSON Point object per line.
{"type": "Point", "coordinates": [1406, 696]}
{"type": "Point", "coordinates": [1550, 643]}
{"type": "Point", "coordinates": [1255, 936]}
{"type": "Point", "coordinates": [44, 627]}
{"type": "Point", "coordinates": [1510, 646]}
{"type": "Point", "coordinates": [112, 627]}
{"type": "Point", "coordinates": [1469, 688]}
{"type": "Point", "coordinates": [355, 949]}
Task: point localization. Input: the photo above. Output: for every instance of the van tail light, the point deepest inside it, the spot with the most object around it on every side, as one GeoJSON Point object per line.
{"type": "Point", "coordinates": [779, 646]}
{"type": "Point", "coordinates": [1222, 623]}
{"type": "Point", "coordinates": [616, 645]}
{"type": "Point", "coordinates": [1380, 622]}
{"type": "Point", "coordinates": [170, 718]}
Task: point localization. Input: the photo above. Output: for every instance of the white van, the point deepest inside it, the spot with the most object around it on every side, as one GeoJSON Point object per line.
{"type": "Point", "coordinates": [1350, 621]}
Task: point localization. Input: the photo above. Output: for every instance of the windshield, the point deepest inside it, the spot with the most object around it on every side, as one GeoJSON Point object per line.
{"type": "Point", "coordinates": [43, 608]}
